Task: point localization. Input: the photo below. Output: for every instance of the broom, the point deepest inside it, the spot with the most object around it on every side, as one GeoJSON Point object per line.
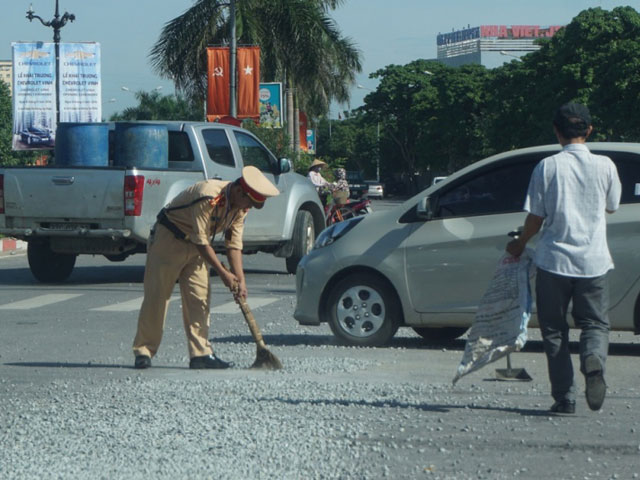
{"type": "Point", "coordinates": [264, 358]}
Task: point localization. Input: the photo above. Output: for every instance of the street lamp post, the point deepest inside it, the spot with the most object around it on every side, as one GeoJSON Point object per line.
{"type": "Point", "coordinates": [56, 23]}
{"type": "Point", "coordinates": [233, 99]}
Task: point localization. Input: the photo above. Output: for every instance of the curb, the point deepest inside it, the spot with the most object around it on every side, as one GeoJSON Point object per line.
{"type": "Point", "coordinates": [11, 245]}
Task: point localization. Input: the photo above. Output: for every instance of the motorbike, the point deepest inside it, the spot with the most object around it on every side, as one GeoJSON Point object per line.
{"type": "Point", "coordinates": [338, 211]}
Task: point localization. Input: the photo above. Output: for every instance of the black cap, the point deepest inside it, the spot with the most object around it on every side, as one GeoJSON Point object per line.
{"type": "Point", "coordinates": [572, 120]}
{"type": "Point", "coordinates": [573, 113]}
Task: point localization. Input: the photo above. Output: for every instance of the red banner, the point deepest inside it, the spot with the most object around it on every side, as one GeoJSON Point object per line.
{"type": "Point", "coordinates": [218, 81]}
{"type": "Point", "coordinates": [248, 62]}
{"type": "Point", "coordinates": [302, 132]}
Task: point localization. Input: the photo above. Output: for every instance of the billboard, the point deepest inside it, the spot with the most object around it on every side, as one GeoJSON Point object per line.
{"type": "Point", "coordinates": [34, 95]}
{"type": "Point", "coordinates": [510, 32]}
{"type": "Point", "coordinates": [311, 141]}
{"type": "Point", "coordinates": [34, 90]}
{"type": "Point", "coordinates": [270, 98]}
{"type": "Point", "coordinates": [80, 82]}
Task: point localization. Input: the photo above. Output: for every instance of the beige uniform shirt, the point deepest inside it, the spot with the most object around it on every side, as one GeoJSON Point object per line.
{"type": "Point", "coordinates": [202, 220]}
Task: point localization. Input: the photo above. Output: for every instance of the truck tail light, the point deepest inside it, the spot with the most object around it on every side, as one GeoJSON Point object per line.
{"type": "Point", "coordinates": [133, 190]}
{"type": "Point", "coordinates": [1, 194]}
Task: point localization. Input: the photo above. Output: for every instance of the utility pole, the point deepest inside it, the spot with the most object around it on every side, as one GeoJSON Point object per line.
{"type": "Point", "coordinates": [56, 23]}
{"type": "Point", "coordinates": [233, 99]}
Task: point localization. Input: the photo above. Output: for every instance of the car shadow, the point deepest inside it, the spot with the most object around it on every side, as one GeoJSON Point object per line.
{"type": "Point", "coordinates": [426, 407]}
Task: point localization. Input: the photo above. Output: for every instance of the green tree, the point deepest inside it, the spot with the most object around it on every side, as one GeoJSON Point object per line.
{"type": "Point", "coordinates": [275, 139]}
{"type": "Point", "coordinates": [153, 106]}
{"type": "Point", "coordinates": [5, 125]}
{"type": "Point", "coordinates": [7, 155]}
{"type": "Point", "coordinates": [594, 60]}
{"type": "Point", "coordinates": [431, 116]}
{"type": "Point", "coordinates": [299, 42]}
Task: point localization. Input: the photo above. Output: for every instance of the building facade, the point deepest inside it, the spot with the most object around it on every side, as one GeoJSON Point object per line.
{"type": "Point", "coordinates": [490, 45]}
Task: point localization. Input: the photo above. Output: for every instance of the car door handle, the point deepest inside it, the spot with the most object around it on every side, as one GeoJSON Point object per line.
{"type": "Point", "coordinates": [515, 233]}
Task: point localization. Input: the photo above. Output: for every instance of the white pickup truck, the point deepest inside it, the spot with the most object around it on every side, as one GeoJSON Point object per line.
{"type": "Point", "coordinates": [64, 211]}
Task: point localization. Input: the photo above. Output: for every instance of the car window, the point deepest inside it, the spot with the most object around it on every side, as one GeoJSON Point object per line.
{"type": "Point", "coordinates": [218, 146]}
{"type": "Point", "coordinates": [180, 147]}
{"type": "Point", "coordinates": [354, 177]}
{"type": "Point", "coordinates": [253, 153]}
{"type": "Point", "coordinates": [628, 165]}
{"type": "Point", "coordinates": [496, 190]}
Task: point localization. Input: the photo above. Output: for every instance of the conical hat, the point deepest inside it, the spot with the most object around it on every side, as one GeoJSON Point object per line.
{"type": "Point", "coordinates": [317, 162]}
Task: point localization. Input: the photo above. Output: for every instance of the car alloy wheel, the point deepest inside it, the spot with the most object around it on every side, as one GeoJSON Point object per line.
{"type": "Point", "coordinates": [363, 310]}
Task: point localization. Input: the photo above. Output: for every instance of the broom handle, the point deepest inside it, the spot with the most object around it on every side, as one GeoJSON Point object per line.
{"type": "Point", "coordinates": [248, 316]}
{"type": "Point", "coordinates": [251, 321]}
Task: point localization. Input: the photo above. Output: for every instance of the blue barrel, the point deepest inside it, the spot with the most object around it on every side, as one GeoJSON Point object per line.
{"type": "Point", "coordinates": [141, 145]}
{"type": "Point", "coordinates": [82, 144]}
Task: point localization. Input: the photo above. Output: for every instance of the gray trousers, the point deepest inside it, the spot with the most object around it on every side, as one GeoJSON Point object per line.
{"type": "Point", "coordinates": [590, 298]}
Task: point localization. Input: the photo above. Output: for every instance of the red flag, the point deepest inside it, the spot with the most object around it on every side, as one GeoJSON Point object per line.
{"type": "Point", "coordinates": [218, 81]}
{"type": "Point", "coordinates": [248, 62]}
{"type": "Point", "coordinates": [302, 132]}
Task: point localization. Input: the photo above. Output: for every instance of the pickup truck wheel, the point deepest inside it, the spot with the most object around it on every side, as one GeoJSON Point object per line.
{"type": "Point", "coordinates": [304, 234]}
{"type": "Point", "coordinates": [48, 266]}
{"type": "Point", "coordinates": [363, 311]}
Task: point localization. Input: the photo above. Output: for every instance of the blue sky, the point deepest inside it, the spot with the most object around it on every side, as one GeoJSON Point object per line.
{"type": "Point", "coordinates": [386, 32]}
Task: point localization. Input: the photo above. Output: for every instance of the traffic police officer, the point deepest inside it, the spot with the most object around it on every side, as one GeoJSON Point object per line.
{"type": "Point", "coordinates": [179, 249]}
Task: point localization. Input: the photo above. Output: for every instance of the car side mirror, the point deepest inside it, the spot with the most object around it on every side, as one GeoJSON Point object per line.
{"type": "Point", "coordinates": [284, 165]}
{"type": "Point", "coordinates": [424, 210]}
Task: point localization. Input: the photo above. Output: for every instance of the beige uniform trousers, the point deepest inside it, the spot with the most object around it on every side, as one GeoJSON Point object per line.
{"type": "Point", "coordinates": [168, 260]}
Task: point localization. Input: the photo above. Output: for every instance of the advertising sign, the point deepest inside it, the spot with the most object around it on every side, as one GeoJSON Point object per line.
{"type": "Point", "coordinates": [311, 141]}
{"type": "Point", "coordinates": [34, 95]}
{"type": "Point", "coordinates": [80, 82]}
{"type": "Point", "coordinates": [270, 98]}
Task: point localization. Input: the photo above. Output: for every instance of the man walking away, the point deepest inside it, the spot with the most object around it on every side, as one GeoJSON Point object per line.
{"type": "Point", "coordinates": [570, 193]}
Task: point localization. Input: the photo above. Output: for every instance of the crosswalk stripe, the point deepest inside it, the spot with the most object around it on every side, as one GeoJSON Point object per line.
{"type": "Point", "coordinates": [128, 306]}
{"type": "Point", "coordinates": [39, 301]}
{"type": "Point", "coordinates": [254, 302]}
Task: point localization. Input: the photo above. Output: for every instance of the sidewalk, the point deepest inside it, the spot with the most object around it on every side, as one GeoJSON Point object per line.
{"type": "Point", "coordinates": [10, 246]}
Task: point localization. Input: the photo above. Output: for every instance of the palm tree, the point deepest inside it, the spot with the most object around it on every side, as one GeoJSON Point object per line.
{"type": "Point", "coordinates": [300, 44]}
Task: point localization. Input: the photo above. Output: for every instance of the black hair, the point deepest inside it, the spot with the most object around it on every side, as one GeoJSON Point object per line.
{"type": "Point", "coordinates": [572, 127]}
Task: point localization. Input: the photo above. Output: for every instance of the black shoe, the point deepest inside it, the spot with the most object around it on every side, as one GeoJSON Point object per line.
{"type": "Point", "coordinates": [596, 388]}
{"type": "Point", "coordinates": [142, 361]}
{"type": "Point", "coordinates": [563, 406]}
{"type": "Point", "coordinates": [209, 361]}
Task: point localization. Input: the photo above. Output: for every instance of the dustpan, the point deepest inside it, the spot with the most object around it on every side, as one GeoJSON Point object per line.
{"type": "Point", "coordinates": [512, 374]}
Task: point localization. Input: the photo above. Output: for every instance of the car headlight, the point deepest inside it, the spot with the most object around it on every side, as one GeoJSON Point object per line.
{"type": "Point", "coordinates": [335, 231]}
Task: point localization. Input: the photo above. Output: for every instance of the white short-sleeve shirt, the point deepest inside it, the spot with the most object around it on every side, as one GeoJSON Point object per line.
{"type": "Point", "coordinates": [572, 191]}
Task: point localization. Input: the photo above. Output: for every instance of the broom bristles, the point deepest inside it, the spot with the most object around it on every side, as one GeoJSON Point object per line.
{"type": "Point", "coordinates": [267, 360]}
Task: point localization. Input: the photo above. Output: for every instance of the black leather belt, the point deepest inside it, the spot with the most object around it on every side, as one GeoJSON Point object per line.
{"type": "Point", "coordinates": [164, 220]}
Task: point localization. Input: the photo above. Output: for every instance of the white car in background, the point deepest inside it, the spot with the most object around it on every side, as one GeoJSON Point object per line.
{"type": "Point", "coordinates": [426, 263]}
{"type": "Point", "coordinates": [376, 189]}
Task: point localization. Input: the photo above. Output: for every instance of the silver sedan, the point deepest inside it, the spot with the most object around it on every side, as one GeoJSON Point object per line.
{"type": "Point", "coordinates": [426, 263]}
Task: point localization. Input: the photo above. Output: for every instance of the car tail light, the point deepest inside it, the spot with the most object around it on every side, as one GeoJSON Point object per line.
{"type": "Point", "coordinates": [133, 190]}
{"type": "Point", "coordinates": [1, 194]}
